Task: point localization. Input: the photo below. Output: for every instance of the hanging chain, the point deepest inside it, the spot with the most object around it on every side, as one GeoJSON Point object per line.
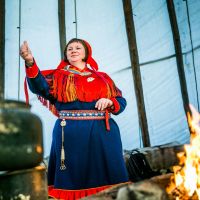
{"type": "Point", "coordinates": [62, 158]}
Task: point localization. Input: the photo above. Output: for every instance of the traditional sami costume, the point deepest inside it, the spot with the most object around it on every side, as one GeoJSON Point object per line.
{"type": "Point", "coordinates": [86, 153]}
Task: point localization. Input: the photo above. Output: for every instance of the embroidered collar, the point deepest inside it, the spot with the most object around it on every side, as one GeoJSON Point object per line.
{"type": "Point", "coordinates": [75, 70]}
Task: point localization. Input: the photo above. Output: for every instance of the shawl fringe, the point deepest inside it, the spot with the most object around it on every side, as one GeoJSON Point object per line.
{"type": "Point", "coordinates": [47, 104]}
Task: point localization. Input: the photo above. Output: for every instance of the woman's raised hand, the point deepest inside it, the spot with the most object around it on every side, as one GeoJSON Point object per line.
{"type": "Point", "coordinates": [25, 53]}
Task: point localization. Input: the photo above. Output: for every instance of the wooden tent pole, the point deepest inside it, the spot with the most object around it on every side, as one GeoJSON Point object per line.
{"type": "Point", "coordinates": [130, 29]}
{"type": "Point", "coordinates": [178, 51]}
{"type": "Point", "coordinates": [62, 27]}
{"type": "Point", "coordinates": [2, 48]}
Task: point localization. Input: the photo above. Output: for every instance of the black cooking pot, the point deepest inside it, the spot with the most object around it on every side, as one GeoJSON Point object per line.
{"type": "Point", "coordinates": [21, 144]}
{"type": "Point", "coordinates": [29, 184]}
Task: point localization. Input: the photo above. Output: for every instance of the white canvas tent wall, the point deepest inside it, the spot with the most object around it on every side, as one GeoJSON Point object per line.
{"type": "Point", "coordinates": [102, 24]}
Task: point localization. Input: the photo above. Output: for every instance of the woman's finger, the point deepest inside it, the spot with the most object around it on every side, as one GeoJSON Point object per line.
{"type": "Point", "coordinates": [26, 44]}
{"type": "Point", "coordinates": [96, 105]}
{"type": "Point", "coordinates": [104, 104]}
{"type": "Point", "coordinates": [99, 106]}
{"type": "Point", "coordinates": [23, 49]}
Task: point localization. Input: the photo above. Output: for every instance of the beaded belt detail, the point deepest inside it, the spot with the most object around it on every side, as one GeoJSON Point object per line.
{"type": "Point", "coordinates": [83, 114]}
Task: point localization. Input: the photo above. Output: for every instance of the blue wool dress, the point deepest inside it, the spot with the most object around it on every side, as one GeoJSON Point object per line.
{"type": "Point", "coordinates": [93, 155]}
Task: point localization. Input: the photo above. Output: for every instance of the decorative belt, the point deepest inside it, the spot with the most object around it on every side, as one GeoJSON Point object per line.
{"type": "Point", "coordinates": [83, 114]}
{"type": "Point", "coordinates": [80, 115]}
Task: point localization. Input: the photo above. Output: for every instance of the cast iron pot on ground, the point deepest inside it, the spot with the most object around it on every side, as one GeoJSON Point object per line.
{"type": "Point", "coordinates": [21, 144]}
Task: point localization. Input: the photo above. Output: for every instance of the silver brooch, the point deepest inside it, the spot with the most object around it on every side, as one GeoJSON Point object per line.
{"type": "Point", "coordinates": [89, 79]}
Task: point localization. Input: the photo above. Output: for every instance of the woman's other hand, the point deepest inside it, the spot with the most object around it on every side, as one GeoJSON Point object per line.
{"type": "Point", "coordinates": [25, 53]}
{"type": "Point", "coordinates": [103, 103]}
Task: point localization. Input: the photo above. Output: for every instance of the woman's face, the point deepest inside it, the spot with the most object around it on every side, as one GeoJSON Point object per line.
{"type": "Point", "coordinates": [75, 52]}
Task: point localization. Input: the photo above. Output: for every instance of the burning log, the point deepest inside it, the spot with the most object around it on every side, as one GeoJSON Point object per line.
{"type": "Point", "coordinates": [181, 194]}
{"type": "Point", "coordinates": [174, 193]}
{"type": "Point", "coordinates": [162, 180]}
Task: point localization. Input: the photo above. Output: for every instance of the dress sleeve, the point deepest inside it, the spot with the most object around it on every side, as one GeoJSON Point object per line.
{"type": "Point", "coordinates": [119, 104]}
{"type": "Point", "coordinates": [37, 82]}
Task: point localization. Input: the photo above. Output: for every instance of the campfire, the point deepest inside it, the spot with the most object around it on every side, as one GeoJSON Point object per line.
{"type": "Point", "coordinates": [185, 182]}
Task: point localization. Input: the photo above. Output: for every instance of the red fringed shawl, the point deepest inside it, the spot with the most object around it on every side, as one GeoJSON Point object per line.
{"type": "Point", "coordinates": [68, 87]}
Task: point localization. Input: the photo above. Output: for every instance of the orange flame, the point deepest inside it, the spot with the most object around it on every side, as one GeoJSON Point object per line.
{"type": "Point", "coordinates": [187, 177]}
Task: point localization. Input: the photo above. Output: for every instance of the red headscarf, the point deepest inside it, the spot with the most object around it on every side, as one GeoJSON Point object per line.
{"type": "Point", "coordinates": [89, 60]}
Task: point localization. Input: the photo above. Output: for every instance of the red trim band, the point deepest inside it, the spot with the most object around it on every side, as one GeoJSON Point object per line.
{"type": "Point", "coordinates": [63, 194]}
{"type": "Point", "coordinates": [32, 71]}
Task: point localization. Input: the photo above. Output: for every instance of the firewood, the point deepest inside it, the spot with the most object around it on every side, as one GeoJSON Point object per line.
{"type": "Point", "coordinates": [160, 158]}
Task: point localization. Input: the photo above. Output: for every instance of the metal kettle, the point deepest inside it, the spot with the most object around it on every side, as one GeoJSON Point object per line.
{"type": "Point", "coordinates": [21, 142]}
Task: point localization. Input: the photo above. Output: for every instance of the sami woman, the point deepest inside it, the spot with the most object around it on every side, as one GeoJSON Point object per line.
{"type": "Point", "coordinates": [86, 152]}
